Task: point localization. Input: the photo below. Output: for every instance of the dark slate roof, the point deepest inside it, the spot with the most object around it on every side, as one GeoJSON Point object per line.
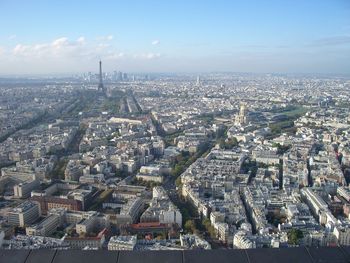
{"type": "Point", "coordinates": [323, 254]}
{"type": "Point", "coordinates": [215, 256]}
{"type": "Point", "coordinates": [268, 255]}
{"type": "Point", "coordinates": [279, 255]}
{"type": "Point", "coordinates": [153, 256]}
{"type": "Point", "coordinates": [85, 256]}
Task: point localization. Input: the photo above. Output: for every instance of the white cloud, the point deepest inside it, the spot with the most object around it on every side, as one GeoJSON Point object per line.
{"type": "Point", "coordinates": [64, 49]}
{"type": "Point", "coordinates": [147, 55]}
{"type": "Point", "coordinates": [105, 38]}
{"type": "Point", "coordinates": [11, 37]}
{"type": "Point", "coordinates": [114, 56]}
{"type": "Point", "coordinates": [155, 42]}
{"type": "Point", "coordinates": [64, 54]}
{"type": "Point", "coordinates": [59, 48]}
{"type": "Point", "coordinates": [21, 50]}
{"type": "Point", "coordinates": [63, 41]}
{"type": "Point", "coordinates": [81, 40]}
{"type": "Point", "coordinates": [103, 45]}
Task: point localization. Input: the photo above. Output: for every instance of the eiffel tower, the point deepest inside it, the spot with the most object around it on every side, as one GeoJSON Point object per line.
{"type": "Point", "coordinates": [100, 83]}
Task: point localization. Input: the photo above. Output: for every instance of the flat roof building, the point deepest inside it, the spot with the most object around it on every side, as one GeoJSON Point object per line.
{"type": "Point", "coordinates": [24, 214]}
{"type": "Point", "coordinates": [122, 243]}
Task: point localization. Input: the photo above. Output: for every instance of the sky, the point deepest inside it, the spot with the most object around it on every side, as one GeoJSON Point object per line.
{"type": "Point", "coordinates": [70, 36]}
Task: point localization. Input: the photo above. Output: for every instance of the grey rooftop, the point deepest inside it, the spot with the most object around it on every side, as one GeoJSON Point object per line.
{"type": "Point", "coordinates": [285, 255]}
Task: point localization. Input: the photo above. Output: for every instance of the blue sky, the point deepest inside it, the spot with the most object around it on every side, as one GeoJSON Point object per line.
{"type": "Point", "coordinates": [309, 36]}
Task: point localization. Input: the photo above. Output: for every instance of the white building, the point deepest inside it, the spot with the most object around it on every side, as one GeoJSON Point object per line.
{"type": "Point", "coordinates": [24, 214]}
{"type": "Point", "coordinates": [342, 233]}
{"type": "Point", "coordinates": [122, 243]}
{"type": "Point", "coordinates": [241, 240]}
{"type": "Point", "coordinates": [194, 242]}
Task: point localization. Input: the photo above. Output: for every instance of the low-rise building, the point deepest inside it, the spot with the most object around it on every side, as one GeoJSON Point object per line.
{"type": "Point", "coordinates": [94, 242]}
{"type": "Point", "coordinates": [47, 226]}
{"type": "Point", "coordinates": [122, 242]}
{"type": "Point", "coordinates": [22, 190]}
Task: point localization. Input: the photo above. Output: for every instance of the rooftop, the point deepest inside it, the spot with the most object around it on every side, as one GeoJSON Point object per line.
{"type": "Point", "coordinates": [290, 255]}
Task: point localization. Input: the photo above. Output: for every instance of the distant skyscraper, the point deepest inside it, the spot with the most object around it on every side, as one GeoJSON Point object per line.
{"type": "Point", "coordinates": [115, 75]}
{"type": "Point", "coordinates": [100, 83]}
{"type": "Point", "coordinates": [125, 76]}
{"type": "Point", "coordinates": [198, 83]}
{"type": "Point", "coordinates": [120, 76]}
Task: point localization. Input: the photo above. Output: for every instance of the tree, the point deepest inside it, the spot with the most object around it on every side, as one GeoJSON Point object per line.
{"type": "Point", "coordinates": [222, 143]}
{"type": "Point", "coordinates": [179, 158]}
{"type": "Point", "coordinates": [206, 222]}
{"type": "Point", "coordinates": [209, 228]}
{"type": "Point", "coordinates": [161, 236]}
{"type": "Point", "coordinates": [229, 143]}
{"type": "Point", "coordinates": [234, 141]}
{"type": "Point", "coordinates": [178, 169]}
{"type": "Point", "coordinates": [203, 147]}
{"type": "Point", "coordinates": [178, 181]}
{"type": "Point", "coordinates": [294, 236]}
{"type": "Point", "coordinates": [220, 133]}
{"type": "Point", "coordinates": [190, 226]}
